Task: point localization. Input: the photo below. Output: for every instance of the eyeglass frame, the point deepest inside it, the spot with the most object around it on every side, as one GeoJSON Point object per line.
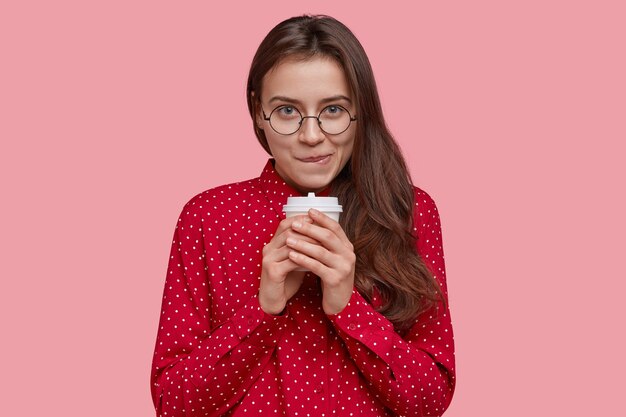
{"type": "Point", "coordinates": [319, 122]}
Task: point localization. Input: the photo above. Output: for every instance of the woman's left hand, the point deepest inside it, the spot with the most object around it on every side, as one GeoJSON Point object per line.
{"type": "Point", "coordinates": [333, 262]}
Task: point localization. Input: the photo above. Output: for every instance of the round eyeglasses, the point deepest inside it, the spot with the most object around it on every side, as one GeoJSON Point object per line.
{"type": "Point", "coordinates": [286, 120]}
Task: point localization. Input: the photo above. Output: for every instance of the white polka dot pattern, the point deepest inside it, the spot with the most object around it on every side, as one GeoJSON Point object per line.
{"type": "Point", "coordinates": [217, 353]}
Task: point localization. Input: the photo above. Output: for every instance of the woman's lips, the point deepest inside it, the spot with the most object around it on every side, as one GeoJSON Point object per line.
{"type": "Point", "coordinates": [316, 159]}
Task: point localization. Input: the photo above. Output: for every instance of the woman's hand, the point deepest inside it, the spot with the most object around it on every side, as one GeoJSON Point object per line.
{"type": "Point", "coordinates": [331, 257]}
{"type": "Point", "coordinates": [279, 281]}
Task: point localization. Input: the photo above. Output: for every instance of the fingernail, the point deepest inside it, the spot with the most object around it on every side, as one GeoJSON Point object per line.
{"type": "Point", "coordinates": [314, 212]}
{"type": "Point", "coordinates": [291, 241]}
{"type": "Point", "coordinates": [296, 225]}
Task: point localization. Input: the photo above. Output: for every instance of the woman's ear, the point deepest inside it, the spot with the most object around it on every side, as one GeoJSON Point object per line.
{"type": "Point", "coordinates": [257, 110]}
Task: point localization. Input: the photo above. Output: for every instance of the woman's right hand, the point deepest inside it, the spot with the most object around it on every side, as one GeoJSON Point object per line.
{"type": "Point", "coordinates": [279, 281]}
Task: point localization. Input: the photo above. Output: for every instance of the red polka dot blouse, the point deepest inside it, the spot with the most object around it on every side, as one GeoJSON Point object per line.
{"type": "Point", "coordinates": [218, 353]}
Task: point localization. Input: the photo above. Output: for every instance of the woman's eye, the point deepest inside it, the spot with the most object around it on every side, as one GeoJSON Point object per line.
{"type": "Point", "coordinates": [333, 110]}
{"type": "Point", "coordinates": [287, 111]}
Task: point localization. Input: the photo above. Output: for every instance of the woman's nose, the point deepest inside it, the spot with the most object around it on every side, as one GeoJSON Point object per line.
{"type": "Point", "coordinates": [310, 132]}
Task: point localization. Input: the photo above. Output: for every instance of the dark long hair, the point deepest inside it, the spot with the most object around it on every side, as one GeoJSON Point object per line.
{"type": "Point", "coordinates": [374, 187]}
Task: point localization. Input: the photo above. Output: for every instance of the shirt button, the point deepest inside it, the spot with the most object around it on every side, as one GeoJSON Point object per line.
{"type": "Point", "coordinates": [250, 321]}
{"type": "Point", "coordinates": [352, 326]}
{"type": "Point", "coordinates": [318, 390]}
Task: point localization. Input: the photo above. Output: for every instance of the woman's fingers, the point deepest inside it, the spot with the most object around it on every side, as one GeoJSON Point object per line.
{"type": "Point", "coordinates": [285, 230]}
{"type": "Point", "coordinates": [331, 257]}
{"type": "Point", "coordinates": [285, 224]}
{"type": "Point", "coordinates": [330, 224]}
{"type": "Point", "coordinates": [326, 231]}
{"type": "Point", "coordinates": [312, 264]}
{"type": "Point", "coordinates": [279, 280]}
{"type": "Point", "coordinates": [320, 260]}
{"type": "Point", "coordinates": [311, 250]}
{"type": "Point", "coordinates": [278, 262]}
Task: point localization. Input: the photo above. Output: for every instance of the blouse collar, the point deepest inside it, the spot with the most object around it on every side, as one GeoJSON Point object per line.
{"type": "Point", "coordinates": [276, 190]}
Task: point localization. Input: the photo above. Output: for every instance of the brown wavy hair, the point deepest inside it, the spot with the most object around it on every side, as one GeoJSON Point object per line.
{"type": "Point", "coordinates": [374, 187]}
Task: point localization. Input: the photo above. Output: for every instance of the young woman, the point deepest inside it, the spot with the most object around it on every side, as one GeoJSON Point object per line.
{"type": "Point", "coordinates": [367, 331]}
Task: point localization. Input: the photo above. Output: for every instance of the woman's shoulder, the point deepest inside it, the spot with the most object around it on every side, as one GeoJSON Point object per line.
{"type": "Point", "coordinates": [424, 203]}
{"type": "Point", "coordinates": [425, 210]}
{"type": "Point", "coordinates": [223, 198]}
{"type": "Point", "coordinates": [426, 222]}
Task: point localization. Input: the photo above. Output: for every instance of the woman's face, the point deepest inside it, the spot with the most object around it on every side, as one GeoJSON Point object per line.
{"type": "Point", "coordinates": [308, 159]}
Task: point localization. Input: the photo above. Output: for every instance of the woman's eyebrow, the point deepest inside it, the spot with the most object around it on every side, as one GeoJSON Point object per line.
{"type": "Point", "coordinates": [324, 100]}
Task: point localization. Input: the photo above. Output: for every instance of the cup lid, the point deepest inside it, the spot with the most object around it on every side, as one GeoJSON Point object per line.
{"type": "Point", "coordinates": [324, 204]}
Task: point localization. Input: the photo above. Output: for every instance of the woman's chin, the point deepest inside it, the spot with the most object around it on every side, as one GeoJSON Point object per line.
{"type": "Point", "coordinates": [312, 186]}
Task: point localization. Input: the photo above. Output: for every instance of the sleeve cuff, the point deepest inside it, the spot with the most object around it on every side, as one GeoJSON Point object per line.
{"type": "Point", "coordinates": [258, 327]}
{"type": "Point", "coordinates": [359, 321]}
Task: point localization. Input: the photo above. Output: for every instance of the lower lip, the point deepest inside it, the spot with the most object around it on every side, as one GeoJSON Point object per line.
{"type": "Point", "coordinates": [323, 161]}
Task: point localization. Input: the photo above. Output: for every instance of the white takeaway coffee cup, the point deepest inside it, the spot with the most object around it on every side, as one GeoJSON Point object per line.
{"type": "Point", "coordinates": [297, 206]}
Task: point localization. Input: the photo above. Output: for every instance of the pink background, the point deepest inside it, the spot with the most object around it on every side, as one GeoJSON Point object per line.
{"type": "Point", "coordinates": [512, 116]}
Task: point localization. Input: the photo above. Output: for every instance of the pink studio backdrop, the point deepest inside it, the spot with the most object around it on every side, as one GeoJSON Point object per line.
{"type": "Point", "coordinates": [511, 115]}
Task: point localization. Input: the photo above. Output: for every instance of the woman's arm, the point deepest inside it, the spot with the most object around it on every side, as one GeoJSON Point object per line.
{"type": "Point", "coordinates": [199, 368]}
{"type": "Point", "coordinates": [414, 375]}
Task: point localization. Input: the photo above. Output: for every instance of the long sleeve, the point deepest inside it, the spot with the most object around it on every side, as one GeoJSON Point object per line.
{"type": "Point", "coordinates": [217, 353]}
{"type": "Point", "coordinates": [199, 368]}
{"type": "Point", "coordinates": [414, 375]}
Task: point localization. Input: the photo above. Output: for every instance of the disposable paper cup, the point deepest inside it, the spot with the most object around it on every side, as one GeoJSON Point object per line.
{"type": "Point", "coordinates": [300, 205]}
{"type": "Point", "coordinates": [297, 206]}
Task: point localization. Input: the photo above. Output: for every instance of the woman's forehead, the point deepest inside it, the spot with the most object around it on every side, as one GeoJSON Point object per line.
{"type": "Point", "coordinates": [302, 81]}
